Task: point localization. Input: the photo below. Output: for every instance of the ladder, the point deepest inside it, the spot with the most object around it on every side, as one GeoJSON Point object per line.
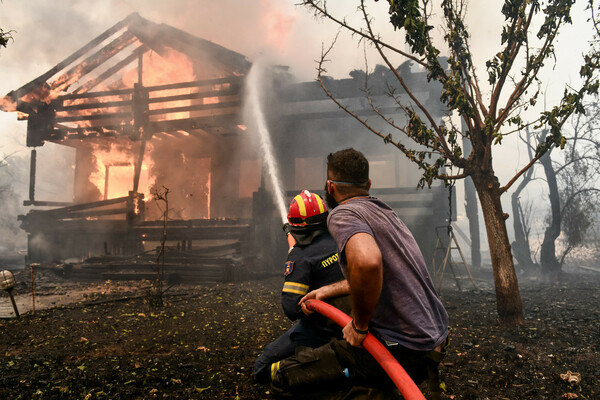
{"type": "Point", "coordinates": [452, 245]}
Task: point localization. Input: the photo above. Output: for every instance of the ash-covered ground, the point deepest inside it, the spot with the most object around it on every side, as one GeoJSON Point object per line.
{"type": "Point", "coordinates": [105, 340]}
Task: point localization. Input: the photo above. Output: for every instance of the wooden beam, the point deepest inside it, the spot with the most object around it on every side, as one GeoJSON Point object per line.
{"type": "Point", "coordinates": [23, 90]}
{"type": "Point", "coordinates": [94, 117]}
{"type": "Point", "coordinates": [187, 124]}
{"type": "Point", "coordinates": [40, 203]}
{"type": "Point", "coordinates": [197, 107]}
{"type": "Point", "coordinates": [86, 206]}
{"type": "Point", "coordinates": [109, 73]}
{"type": "Point", "coordinates": [92, 62]}
{"type": "Point", "coordinates": [32, 168]}
{"type": "Point", "coordinates": [105, 93]}
{"type": "Point", "coordinates": [88, 106]}
{"type": "Point", "coordinates": [195, 95]}
{"type": "Point", "coordinates": [232, 80]}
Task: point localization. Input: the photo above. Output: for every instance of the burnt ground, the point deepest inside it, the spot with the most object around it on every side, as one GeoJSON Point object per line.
{"type": "Point", "coordinates": [110, 343]}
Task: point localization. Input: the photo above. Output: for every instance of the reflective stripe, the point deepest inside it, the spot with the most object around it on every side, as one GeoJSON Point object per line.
{"type": "Point", "coordinates": [295, 291]}
{"type": "Point", "coordinates": [294, 287]}
{"type": "Point", "coordinates": [301, 205]}
{"type": "Point", "coordinates": [297, 285]}
{"type": "Point", "coordinates": [320, 203]}
{"type": "Point", "coordinates": [274, 369]}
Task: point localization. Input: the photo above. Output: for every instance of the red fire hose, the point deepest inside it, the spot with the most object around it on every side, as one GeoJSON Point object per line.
{"type": "Point", "coordinates": [408, 389]}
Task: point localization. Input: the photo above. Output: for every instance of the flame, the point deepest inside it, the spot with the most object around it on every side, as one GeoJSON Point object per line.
{"type": "Point", "coordinates": [40, 93]}
{"type": "Point", "coordinates": [104, 110]}
{"type": "Point", "coordinates": [116, 163]}
{"type": "Point", "coordinates": [169, 67]}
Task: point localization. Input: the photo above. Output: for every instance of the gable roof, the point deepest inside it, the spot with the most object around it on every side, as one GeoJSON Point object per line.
{"type": "Point", "coordinates": [92, 93]}
{"type": "Point", "coordinates": [74, 73]}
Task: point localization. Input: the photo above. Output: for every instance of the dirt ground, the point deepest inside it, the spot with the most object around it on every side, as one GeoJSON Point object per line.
{"type": "Point", "coordinates": [105, 341]}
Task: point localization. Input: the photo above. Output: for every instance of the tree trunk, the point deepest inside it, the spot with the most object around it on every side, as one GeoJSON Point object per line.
{"type": "Point", "coordinates": [548, 251]}
{"type": "Point", "coordinates": [508, 299]}
{"type": "Point", "coordinates": [471, 207]}
{"type": "Point", "coordinates": [520, 247]}
{"type": "Point", "coordinates": [473, 216]}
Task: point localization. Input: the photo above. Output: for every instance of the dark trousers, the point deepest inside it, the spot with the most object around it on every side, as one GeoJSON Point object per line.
{"type": "Point", "coordinates": [338, 364]}
{"type": "Point", "coordinates": [301, 334]}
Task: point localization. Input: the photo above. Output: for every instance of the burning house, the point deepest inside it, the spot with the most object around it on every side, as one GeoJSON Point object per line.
{"type": "Point", "coordinates": [154, 117]}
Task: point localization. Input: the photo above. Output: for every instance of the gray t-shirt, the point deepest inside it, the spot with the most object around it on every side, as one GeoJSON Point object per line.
{"type": "Point", "coordinates": [409, 311]}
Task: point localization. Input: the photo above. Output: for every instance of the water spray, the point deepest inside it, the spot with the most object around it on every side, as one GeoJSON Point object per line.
{"type": "Point", "coordinates": [253, 85]}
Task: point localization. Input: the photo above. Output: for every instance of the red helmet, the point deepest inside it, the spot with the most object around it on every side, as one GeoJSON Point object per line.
{"type": "Point", "coordinates": [307, 209]}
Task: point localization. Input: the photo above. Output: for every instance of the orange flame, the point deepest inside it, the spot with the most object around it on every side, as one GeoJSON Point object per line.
{"type": "Point", "coordinates": [115, 164]}
{"type": "Point", "coordinates": [169, 67]}
{"type": "Point", "coordinates": [115, 170]}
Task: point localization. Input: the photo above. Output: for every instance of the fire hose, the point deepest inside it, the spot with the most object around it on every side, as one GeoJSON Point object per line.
{"type": "Point", "coordinates": [406, 386]}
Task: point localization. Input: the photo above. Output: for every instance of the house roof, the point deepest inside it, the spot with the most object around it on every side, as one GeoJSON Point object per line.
{"type": "Point", "coordinates": [132, 35]}
{"type": "Point", "coordinates": [87, 96]}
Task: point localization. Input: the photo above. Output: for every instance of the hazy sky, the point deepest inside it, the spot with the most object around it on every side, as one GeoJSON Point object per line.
{"type": "Point", "coordinates": [46, 32]}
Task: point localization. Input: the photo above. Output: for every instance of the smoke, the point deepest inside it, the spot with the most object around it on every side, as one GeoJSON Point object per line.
{"type": "Point", "coordinates": [278, 25]}
{"type": "Point", "coordinates": [12, 238]}
{"type": "Point", "coordinates": [45, 33]}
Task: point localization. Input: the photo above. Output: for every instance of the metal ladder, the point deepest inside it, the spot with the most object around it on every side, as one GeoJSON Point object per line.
{"type": "Point", "coordinates": [452, 245]}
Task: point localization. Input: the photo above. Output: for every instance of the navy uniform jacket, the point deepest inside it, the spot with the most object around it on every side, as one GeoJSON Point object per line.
{"type": "Point", "coordinates": [307, 268]}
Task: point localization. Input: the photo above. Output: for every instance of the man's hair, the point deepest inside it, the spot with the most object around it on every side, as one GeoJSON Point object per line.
{"type": "Point", "coordinates": [349, 165]}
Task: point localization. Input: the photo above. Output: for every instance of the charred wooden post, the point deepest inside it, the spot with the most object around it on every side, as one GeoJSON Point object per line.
{"type": "Point", "coordinates": [135, 208]}
{"type": "Point", "coordinates": [32, 168]}
{"type": "Point", "coordinates": [267, 230]}
{"type": "Point", "coordinates": [140, 120]}
{"type": "Point", "coordinates": [31, 266]}
{"type": "Point", "coordinates": [40, 121]}
{"type": "Point", "coordinates": [106, 175]}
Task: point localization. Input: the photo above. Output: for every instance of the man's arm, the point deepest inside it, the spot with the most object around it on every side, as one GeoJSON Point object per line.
{"type": "Point", "coordinates": [335, 289]}
{"type": "Point", "coordinates": [365, 278]}
{"type": "Point", "coordinates": [297, 283]}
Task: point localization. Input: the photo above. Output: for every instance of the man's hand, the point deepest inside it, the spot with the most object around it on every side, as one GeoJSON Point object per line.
{"type": "Point", "coordinates": [339, 288]}
{"type": "Point", "coordinates": [314, 294]}
{"type": "Point", "coordinates": [351, 336]}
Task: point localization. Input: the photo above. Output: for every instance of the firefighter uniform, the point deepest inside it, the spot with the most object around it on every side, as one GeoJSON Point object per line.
{"type": "Point", "coordinates": [307, 268]}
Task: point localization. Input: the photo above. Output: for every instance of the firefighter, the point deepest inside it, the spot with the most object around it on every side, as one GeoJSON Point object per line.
{"type": "Point", "coordinates": [312, 263]}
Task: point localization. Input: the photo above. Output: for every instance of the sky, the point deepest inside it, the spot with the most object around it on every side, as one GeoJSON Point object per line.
{"type": "Point", "coordinates": [45, 32]}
